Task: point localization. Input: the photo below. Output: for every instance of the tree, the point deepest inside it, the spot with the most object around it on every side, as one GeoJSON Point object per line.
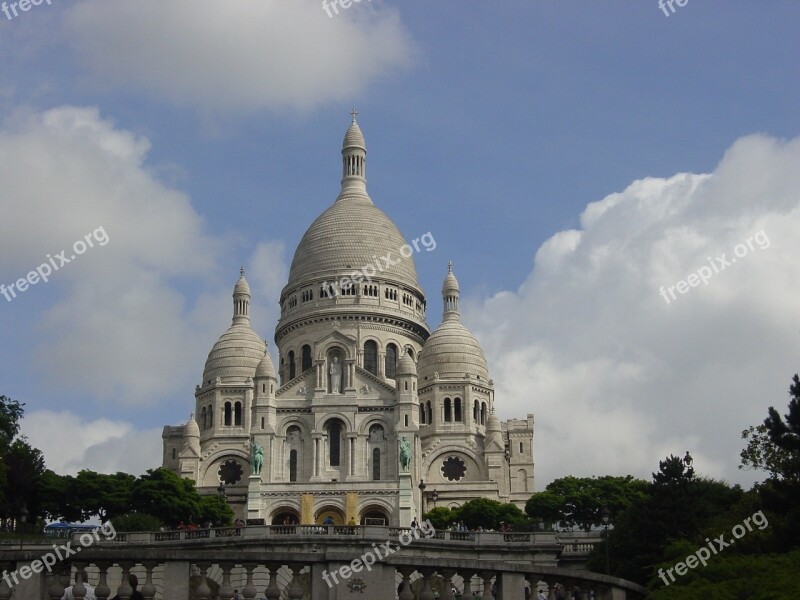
{"type": "Point", "coordinates": [215, 509]}
{"type": "Point", "coordinates": [440, 517]}
{"type": "Point", "coordinates": [579, 501]}
{"type": "Point", "coordinates": [103, 495]}
{"type": "Point", "coordinates": [11, 413]}
{"type": "Point", "coordinates": [774, 446]}
{"type": "Point", "coordinates": [676, 506]}
{"type": "Point", "coordinates": [165, 495]}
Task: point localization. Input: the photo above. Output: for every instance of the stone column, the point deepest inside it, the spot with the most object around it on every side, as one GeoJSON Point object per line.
{"type": "Point", "coordinates": [405, 588]}
{"type": "Point", "coordinates": [249, 590]}
{"type": "Point", "coordinates": [56, 588]}
{"type": "Point", "coordinates": [487, 585]}
{"type": "Point", "coordinates": [102, 591]}
{"type": "Point", "coordinates": [203, 591]}
{"type": "Point", "coordinates": [426, 593]}
{"type": "Point", "coordinates": [447, 584]}
{"type": "Point", "coordinates": [295, 589]}
{"type": "Point", "coordinates": [273, 592]}
{"type": "Point", "coordinates": [148, 589]}
{"type": "Point", "coordinates": [226, 589]}
{"type": "Point", "coordinates": [125, 591]}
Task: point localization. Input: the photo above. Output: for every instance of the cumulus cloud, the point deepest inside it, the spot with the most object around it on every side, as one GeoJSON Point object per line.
{"type": "Point", "coordinates": [617, 377]}
{"type": "Point", "coordinates": [116, 323]}
{"type": "Point", "coordinates": [71, 443]}
{"type": "Point", "coordinates": [241, 55]}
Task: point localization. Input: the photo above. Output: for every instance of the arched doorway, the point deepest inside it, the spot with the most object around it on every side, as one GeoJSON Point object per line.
{"type": "Point", "coordinates": [374, 515]}
{"type": "Point", "coordinates": [333, 512]}
{"type": "Point", "coordinates": [285, 516]}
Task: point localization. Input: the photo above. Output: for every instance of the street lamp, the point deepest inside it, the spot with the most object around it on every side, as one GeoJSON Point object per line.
{"type": "Point", "coordinates": [687, 460]}
{"type": "Point", "coordinates": [422, 487]}
{"type": "Point", "coordinates": [434, 497]}
{"type": "Point", "coordinates": [221, 491]}
{"type": "Point", "coordinates": [605, 516]}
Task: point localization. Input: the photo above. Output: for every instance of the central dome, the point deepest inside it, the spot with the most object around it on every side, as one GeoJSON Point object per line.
{"type": "Point", "coordinates": [348, 236]}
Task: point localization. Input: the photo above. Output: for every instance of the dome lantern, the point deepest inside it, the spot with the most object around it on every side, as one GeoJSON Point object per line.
{"type": "Point", "coordinates": [354, 158]}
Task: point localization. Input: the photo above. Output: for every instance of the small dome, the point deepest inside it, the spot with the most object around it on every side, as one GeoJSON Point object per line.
{"type": "Point", "coordinates": [453, 352]}
{"type": "Point", "coordinates": [406, 365]}
{"type": "Point", "coordinates": [241, 287]}
{"type": "Point", "coordinates": [265, 368]}
{"type": "Point", "coordinates": [353, 138]}
{"type": "Point", "coordinates": [237, 353]}
{"type": "Point", "coordinates": [450, 282]}
{"type": "Point", "coordinates": [191, 429]}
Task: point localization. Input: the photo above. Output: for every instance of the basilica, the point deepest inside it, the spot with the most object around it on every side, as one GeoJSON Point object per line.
{"type": "Point", "coordinates": [369, 418]}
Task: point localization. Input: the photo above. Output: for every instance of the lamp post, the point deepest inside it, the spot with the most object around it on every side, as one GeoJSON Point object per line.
{"type": "Point", "coordinates": [422, 487]}
{"type": "Point", "coordinates": [605, 516]}
{"type": "Point", "coordinates": [687, 460]}
{"type": "Point", "coordinates": [221, 491]}
{"type": "Point", "coordinates": [434, 497]}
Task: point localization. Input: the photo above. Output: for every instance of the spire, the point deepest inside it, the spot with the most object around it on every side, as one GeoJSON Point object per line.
{"type": "Point", "coordinates": [241, 300]}
{"type": "Point", "coordinates": [354, 158]}
{"type": "Point", "coordinates": [450, 294]}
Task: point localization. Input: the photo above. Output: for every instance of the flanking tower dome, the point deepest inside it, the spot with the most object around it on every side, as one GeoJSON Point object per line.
{"type": "Point", "coordinates": [452, 352]}
{"type": "Point", "coordinates": [352, 268]}
{"type": "Point", "coordinates": [238, 351]}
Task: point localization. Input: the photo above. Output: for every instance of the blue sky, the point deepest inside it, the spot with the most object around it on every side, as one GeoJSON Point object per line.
{"type": "Point", "coordinates": [570, 158]}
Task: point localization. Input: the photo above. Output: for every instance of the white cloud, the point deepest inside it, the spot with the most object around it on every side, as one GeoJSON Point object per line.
{"type": "Point", "coordinates": [116, 325]}
{"type": "Point", "coordinates": [618, 378]}
{"type": "Point", "coordinates": [240, 54]}
{"type": "Point", "coordinates": [71, 443]}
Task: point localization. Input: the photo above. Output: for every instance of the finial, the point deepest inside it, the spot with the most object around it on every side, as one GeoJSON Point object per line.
{"type": "Point", "coordinates": [241, 271]}
{"type": "Point", "coordinates": [354, 113]}
{"type": "Point", "coordinates": [450, 266]}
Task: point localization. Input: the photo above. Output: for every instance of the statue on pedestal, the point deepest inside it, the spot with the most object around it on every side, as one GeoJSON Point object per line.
{"type": "Point", "coordinates": [405, 454]}
{"type": "Point", "coordinates": [256, 457]}
{"type": "Point", "coordinates": [335, 371]}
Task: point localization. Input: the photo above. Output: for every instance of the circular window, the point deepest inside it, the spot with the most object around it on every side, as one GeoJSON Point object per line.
{"type": "Point", "coordinates": [230, 472]}
{"type": "Point", "coordinates": [453, 468]}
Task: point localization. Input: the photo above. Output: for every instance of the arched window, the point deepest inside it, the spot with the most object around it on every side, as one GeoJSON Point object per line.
{"type": "Point", "coordinates": [306, 357]}
{"type": "Point", "coordinates": [448, 412]}
{"type": "Point", "coordinates": [174, 453]}
{"type": "Point", "coordinates": [227, 420]}
{"type": "Point", "coordinates": [475, 412]}
{"type": "Point", "coordinates": [376, 464]}
{"type": "Point", "coordinates": [262, 422]}
{"type": "Point", "coordinates": [371, 356]}
{"type": "Point", "coordinates": [334, 443]}
{"type": "Point", "coordinates": [203, 418]}
{"type": "Point", "coordinates": [521, 451]}
{"type": "Point", "coordinates": [422, 414]}
{"type": "Point", "coordinates": [483, 413]}
{"type": "Point", "coordinates": [457, 410]}
{"type": "Point", "coordinates": [410, 351]}
{"type": "Point", "coordinates": [292, 365]}
{"type": "Point", "coordinates": [237, 414]}
{"type": "Point", "coordinates": [210, 415]}
{"type": "Point", "coordinates": [405, 420]}
{"type": "Point", "coordinates": [293, 465]}
{"type": "Point", "coordinates": [430, 413]}
{"type": "Point", "coordinates": [391, 361]}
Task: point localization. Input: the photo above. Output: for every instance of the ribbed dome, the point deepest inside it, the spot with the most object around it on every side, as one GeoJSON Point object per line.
{"type": "Point", "coordinates": [353, 138]}
{"type": "Point", "coordinates": [406, 365]}
{"type": "Point", "coordinates": [241, 287]}
{"type": "Point", "coordinates": [191, 429]}
{"type": "Point", "coordinates": [236, 354]}
{"type": "Point", "coordinates": [351, 234]}
{"type": "Point", "coordinates": [265, 368]}
{"type": "Point", "coordinates": [452, 351]}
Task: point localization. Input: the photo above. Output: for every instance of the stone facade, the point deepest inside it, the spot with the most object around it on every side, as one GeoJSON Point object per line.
{"type": "Point", "coordinates": [358, 373]}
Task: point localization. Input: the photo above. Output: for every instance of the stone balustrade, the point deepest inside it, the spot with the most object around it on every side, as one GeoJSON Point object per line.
{"type": "Point", "coordinates": [311, 562]}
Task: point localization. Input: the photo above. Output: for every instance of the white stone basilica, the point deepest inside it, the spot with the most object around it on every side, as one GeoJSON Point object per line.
{"type": "Point", "coordinates": [360, 376]}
